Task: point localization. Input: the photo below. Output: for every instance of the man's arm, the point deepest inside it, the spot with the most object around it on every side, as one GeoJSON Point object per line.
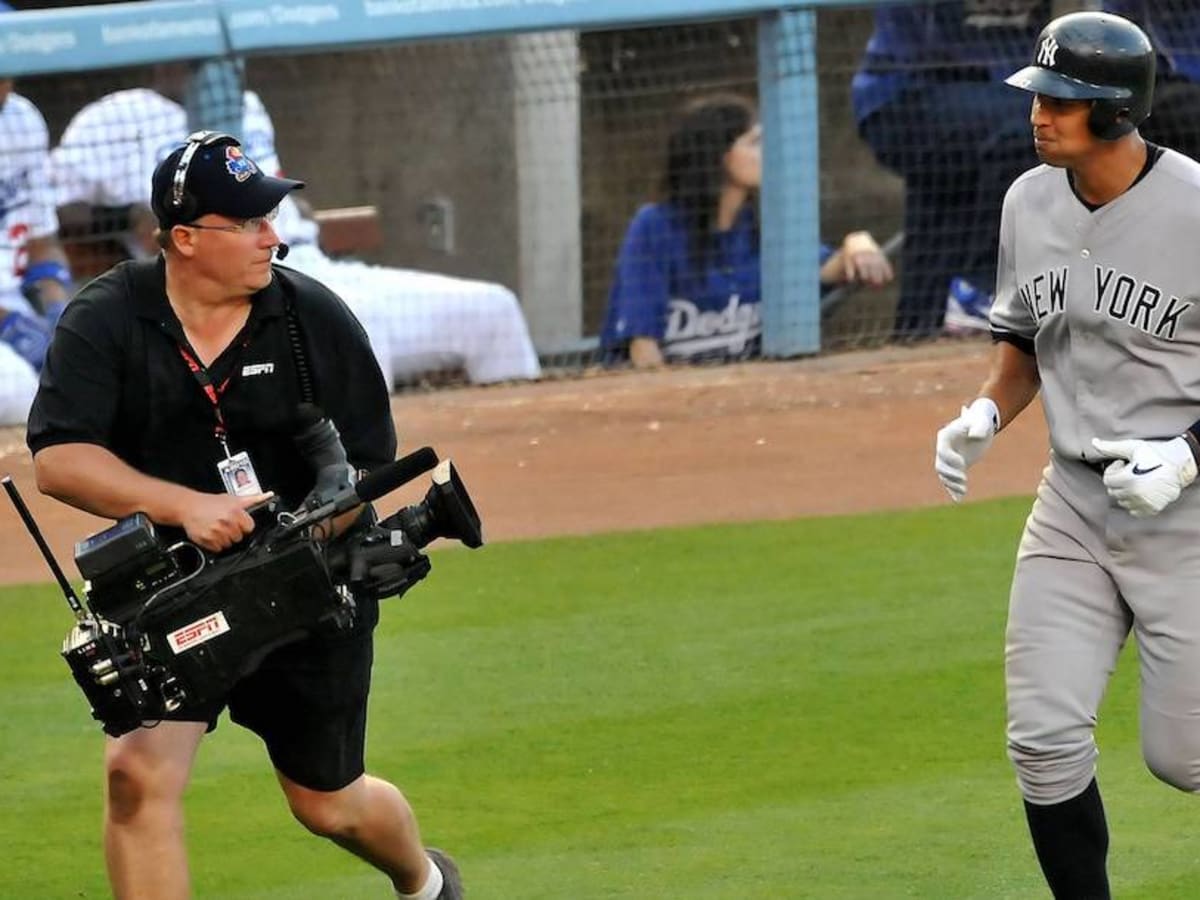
{"type": "Point", "coordinates": [92, 478]}
{"type": "Point", "coordinates": [1012, 382]}
{"type": "Point", "coordinates": [1010, 386]}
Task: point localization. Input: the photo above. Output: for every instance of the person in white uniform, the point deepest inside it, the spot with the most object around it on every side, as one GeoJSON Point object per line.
{"type": "Point", "coordinates": [1096, 309]}
{"type": "Point", "coordinates": [34, 279]}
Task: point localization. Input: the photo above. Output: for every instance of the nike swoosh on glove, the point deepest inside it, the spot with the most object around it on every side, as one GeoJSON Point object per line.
{"type": "Point", "coordinates": [1147, 475]}
{"type": "Point", "coordinates": [960, 444]}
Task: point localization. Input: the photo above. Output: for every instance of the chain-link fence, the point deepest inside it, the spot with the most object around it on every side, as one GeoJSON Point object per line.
{"type": "Point", "coordinates": [498, 208]}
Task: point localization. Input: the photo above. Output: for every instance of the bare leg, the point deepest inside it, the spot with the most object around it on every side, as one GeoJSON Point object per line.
{"type": "Point", "coordinates": [370, 818]}
{"type": "Point", "coordinates": [146, 773]}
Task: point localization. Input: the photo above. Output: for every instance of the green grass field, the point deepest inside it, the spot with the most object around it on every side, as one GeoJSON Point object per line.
{"type": "Point", "coordinates": [784, 710]}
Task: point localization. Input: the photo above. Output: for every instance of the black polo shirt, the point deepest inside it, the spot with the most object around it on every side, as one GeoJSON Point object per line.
{"type": "Point", "coordinates": [114, 376]}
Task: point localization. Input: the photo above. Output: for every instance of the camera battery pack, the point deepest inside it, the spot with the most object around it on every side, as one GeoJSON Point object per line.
{"type": "Point", "coordinates": [116, 546]}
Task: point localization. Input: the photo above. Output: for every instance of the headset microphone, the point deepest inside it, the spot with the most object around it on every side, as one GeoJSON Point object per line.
{"type": "Point", "coordinates": [281, 251]}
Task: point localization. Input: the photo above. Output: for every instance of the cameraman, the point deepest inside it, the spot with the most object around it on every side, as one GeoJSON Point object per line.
{"type": "Point", "coordinates": [163, 376]}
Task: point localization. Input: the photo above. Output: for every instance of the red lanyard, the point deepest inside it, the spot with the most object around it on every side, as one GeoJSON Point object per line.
{"type": "Point", "coordinates": [212, 392]}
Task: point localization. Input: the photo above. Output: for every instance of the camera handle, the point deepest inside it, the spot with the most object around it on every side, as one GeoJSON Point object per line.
{"type": "Point", "coordinates": [382, 481]}
{"type": "Point", "coordinates": [31, 526]}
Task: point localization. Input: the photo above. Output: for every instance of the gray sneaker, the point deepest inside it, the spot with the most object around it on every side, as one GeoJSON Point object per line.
{"type": "Point", "coordinates": [452, 888]}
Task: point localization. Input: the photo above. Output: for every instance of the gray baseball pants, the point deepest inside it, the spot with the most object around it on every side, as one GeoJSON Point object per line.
{"type": "Point", "coordinates": [1087, 573]}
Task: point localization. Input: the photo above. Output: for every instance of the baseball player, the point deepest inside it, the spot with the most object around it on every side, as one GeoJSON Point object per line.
{"type": "Point", "coordinates": [110, 148]}
{"type": "Point", "coordinates": [1095, 307]}
{"type": "Point", "coordinates": [34, 278]}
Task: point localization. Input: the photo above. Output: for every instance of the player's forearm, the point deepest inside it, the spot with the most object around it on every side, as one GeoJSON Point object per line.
{"type": "Point", "coordinates": [1013, 381]}
{"type": "Point", "coordinates": [91, 478]}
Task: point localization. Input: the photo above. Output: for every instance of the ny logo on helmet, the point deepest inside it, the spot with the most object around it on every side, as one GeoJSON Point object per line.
{"type": "Point", "coordinates": [1047, 52]}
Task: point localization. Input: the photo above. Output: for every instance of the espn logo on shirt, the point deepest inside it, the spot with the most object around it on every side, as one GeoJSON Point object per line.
{"type": "Point", "coordinates": [198, 632]}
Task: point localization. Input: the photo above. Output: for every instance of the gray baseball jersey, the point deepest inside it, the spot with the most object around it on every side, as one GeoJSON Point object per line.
{"type": "Point", "coordinates": [1110, 299]}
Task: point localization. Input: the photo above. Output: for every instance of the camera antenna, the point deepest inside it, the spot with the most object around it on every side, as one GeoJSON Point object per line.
{"type": "Point", "coordinates": [31, 526]}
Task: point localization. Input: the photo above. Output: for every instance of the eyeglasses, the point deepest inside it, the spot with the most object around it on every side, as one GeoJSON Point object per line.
{"type": "Point", "coordinates": [246, 226]}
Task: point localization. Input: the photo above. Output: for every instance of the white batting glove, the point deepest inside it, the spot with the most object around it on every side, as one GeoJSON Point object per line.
{"type": "Point", "coordinates": [1147, 475]}
{"type": "Point", "coordinates": [961, 442]}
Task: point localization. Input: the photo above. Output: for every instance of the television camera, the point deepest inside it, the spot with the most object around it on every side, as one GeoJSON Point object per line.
{"type": "Point", "coordinates": [165, 625]}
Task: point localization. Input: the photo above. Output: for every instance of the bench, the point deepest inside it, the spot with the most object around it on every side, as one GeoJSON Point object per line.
{"type": "Point", "coordinates": [349, 230]}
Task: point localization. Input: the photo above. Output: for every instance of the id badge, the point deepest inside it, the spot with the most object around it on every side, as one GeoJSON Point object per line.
{"type": "Point", "coordinates": [238, 474]}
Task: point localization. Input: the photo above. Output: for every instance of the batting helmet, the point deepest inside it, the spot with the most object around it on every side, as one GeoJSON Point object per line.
{"type": "Point", "coordinates": [1099, 57]}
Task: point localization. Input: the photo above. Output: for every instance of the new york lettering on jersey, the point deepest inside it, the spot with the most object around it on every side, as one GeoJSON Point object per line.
{"type": "Point", "coordinates": [1087, 287]}
{"type": "Point", "coordinates": [1119, 296]}
{"type": "Point", "coordinates": [1046, 293]}
{"type": "Point", "coordinates": [1138, 303]}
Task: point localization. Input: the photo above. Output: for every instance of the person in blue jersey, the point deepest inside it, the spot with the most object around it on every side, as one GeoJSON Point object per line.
{"type": "Point", "coordinates": [687, 285]}
{"type": "Point", "coordinates": [930, 101]}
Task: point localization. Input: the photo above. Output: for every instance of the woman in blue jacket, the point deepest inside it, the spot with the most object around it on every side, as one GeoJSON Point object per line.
{"type": "Point", "coordinates": [687, 285]}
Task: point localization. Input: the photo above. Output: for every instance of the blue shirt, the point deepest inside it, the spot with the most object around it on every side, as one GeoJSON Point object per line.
{"type": "Point", "coordinates": [710, 312]}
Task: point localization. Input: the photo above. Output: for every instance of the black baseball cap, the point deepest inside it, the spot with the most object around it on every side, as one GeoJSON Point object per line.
{"type": "Point", "coordinates": [220, 179]}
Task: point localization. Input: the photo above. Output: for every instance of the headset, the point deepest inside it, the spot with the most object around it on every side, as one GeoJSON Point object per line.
{"type": "Point", "coordinates": [183, 203]}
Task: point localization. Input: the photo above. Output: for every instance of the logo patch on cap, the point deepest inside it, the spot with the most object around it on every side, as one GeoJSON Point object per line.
{"type": "Point", "coordinates": [239, 166]}
{"type": "Point", "coordinates": [1048, 53]}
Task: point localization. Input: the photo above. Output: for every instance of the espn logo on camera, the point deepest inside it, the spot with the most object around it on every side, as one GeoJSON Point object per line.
{"type": "Point", "coordinates": [195, 634]}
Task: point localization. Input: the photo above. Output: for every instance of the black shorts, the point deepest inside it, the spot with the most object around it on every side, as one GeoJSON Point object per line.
{"type": "Point", "coordinates": [308, 703]}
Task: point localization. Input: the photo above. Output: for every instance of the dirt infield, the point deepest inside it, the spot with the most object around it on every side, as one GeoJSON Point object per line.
{"type": "Point", "coordinates": [836, 434]}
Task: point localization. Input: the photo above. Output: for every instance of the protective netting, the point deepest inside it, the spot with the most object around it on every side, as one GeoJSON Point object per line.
{"type": "Point", "coordinates": [507, 207]}
{"type": "Point", "coordinates": [930, 105]}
